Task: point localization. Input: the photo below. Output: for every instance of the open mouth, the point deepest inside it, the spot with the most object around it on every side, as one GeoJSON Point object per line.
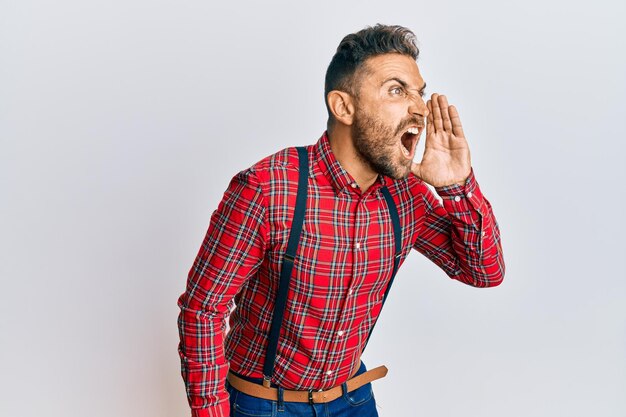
{"type": "Point", "coordinates": [409, 141]}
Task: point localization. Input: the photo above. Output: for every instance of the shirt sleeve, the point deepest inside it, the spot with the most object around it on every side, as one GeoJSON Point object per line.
{"type": "Point", "coordinates": [231, 252]}
{"type": "Point", "coordinates": [461, 235]}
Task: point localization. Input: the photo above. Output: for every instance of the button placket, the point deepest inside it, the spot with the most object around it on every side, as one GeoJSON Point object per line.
{"type": "Point", "coordinates": [346, 318]}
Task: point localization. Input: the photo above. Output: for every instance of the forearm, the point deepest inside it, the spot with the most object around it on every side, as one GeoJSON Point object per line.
{"type": "Point", "coordinates": [203, 365]}
{"type": "Point", "coordinates": [462, 236]}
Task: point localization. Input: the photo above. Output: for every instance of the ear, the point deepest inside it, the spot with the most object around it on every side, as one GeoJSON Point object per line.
{"type": "Point", "coordinates": [341, 105]}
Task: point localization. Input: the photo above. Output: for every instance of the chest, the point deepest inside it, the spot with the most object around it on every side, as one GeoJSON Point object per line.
{"type": "Point", "coordinates": [345, 238]}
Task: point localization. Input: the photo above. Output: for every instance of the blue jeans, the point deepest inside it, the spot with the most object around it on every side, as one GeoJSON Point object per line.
{"type": "Point", "coordinates": [359, 402]}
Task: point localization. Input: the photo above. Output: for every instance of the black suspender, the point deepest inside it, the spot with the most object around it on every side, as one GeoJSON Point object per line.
{"type": "Point", "coordinates": [287, 266]}
{"type": "Point", "coordinates": [290, 254]}
{"type": "Point", "coordinates": [397, 234]}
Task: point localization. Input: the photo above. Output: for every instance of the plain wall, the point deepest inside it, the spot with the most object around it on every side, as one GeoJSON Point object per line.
{"type": "Point", "coordinates": [121, 123]}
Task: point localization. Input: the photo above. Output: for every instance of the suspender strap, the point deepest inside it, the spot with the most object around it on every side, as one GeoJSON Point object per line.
{"type": "Point", "coordinates": [397, 234]}
{"type": "Point", "coordinates": [287, 266]}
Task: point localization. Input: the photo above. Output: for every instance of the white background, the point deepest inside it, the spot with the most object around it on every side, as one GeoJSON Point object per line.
{"type": "Point", "coordinates": [121, 123]}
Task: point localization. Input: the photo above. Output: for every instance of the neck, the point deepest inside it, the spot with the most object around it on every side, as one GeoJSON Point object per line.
{"type": "Point", "coordinates": [343, 148]}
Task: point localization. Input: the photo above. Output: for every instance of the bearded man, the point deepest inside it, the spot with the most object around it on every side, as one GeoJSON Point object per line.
{"type": "Point", "coordinates": [305, 243]}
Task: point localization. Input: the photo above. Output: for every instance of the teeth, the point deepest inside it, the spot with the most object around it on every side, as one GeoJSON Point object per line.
{"type": "Point", "coordinates": [413, 131]}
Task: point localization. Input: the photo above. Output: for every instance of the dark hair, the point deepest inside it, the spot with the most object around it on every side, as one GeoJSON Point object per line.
{"type": "Point", "coordinates": [356, 48]}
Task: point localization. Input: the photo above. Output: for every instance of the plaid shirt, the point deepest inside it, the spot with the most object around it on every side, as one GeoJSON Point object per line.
{"type": "Point", "coordinates": [342, 266]}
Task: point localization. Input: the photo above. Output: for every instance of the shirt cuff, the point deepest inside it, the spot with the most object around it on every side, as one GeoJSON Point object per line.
{"type": "Point", "coordinates": [220, 410]}
{"type": "Point", "coordinates": [460, 198]}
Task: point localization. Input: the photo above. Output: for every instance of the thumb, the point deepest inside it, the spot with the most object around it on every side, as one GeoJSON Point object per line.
{"type": "Point", "coordinates": [415, 169]}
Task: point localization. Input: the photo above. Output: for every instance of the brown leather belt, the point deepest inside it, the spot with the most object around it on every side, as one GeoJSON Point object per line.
{"type": "Point", "coordinates": [259, 391]}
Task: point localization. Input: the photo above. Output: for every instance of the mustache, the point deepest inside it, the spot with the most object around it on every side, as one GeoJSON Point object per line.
{"type": "Point", "coordinates": [419, 121]}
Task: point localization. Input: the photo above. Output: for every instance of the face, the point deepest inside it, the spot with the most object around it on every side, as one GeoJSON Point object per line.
{"type": "Point", "coordinates": [389, 114]}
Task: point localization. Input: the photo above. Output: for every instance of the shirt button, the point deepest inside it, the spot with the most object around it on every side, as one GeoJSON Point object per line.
{"type": "Point", "coordinates": [483, 233]}
{"type": "Point", "coordinates": [329, 372]}
{"type": "Point", "coordinates": [354, 185]}
{"type": "Point", "coordinates": [469, 194]}
{"type": "Point", "coordinates": [350, 291]}
{"type": "Point", "coordinates": [358, 245]}
{"type": "Point", "coordinates": [457, 198]}
{"type": "Point", "coordinates": [340, 333]}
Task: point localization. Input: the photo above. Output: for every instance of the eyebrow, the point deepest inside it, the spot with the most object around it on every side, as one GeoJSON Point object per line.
{"type": "Point", "coordinates": [404, 84]}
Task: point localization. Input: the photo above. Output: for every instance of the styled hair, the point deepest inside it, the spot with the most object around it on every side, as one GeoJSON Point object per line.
{"type": "Point", "coordinates": [344, 69]}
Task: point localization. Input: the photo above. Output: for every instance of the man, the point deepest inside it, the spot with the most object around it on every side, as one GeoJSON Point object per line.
{"type": "Point", "coordinates": [367, 206]}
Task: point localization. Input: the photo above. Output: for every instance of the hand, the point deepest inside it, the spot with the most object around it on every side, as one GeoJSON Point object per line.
{"type": "Point", "coordinates": [446, 158]}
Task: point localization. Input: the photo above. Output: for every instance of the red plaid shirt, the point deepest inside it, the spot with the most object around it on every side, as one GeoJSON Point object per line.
{"type": "Point", "coordinates": [342, 266]}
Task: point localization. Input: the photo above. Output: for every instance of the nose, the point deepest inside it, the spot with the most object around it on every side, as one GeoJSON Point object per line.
{"type": "Point", "coordinates": [417, 106]}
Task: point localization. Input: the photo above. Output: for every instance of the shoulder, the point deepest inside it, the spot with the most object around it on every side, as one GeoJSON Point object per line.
{"type": "Point", "coordinates": [279, 168]}
{"type": "Point", "coordinates": [284, 159]}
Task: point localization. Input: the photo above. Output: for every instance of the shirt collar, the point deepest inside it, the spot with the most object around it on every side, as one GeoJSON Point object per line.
{"type": "Point", "coordinates": [339, 178]}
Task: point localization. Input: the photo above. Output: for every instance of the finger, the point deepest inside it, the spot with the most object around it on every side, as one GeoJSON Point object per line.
{"type": "Point", "coordinates": [434, 102]}
{"type": "Point", "coordinates": [415, 169]}
{"type": "Point", "coordinates": [457, 128]}
{"type": "Point", "coordinates": [443, 107]}
{"type": "Point", "coordinates": [429, 119]}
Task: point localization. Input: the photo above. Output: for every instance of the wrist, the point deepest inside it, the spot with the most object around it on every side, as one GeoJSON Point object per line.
{"type": "Point", "coordinates": [457, 188]}
{"type": "Point", "coordinates": [459, 183]}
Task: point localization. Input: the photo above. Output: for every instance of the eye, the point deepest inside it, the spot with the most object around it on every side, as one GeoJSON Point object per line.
{"type": "Point", "coordinates": [396, 91]}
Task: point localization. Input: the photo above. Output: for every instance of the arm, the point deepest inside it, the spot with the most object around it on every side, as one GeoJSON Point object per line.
{"type": "Point", "coordinates": [231, 252]}
{"type": "Point", "coordinates": [462, 237]}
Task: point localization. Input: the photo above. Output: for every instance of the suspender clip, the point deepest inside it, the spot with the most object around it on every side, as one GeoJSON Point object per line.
{"type": "Point", "coordinates": [266, 381]}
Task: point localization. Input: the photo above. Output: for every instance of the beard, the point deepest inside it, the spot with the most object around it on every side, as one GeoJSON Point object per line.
{"type": "Point", "coordinates": [377, 145]}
